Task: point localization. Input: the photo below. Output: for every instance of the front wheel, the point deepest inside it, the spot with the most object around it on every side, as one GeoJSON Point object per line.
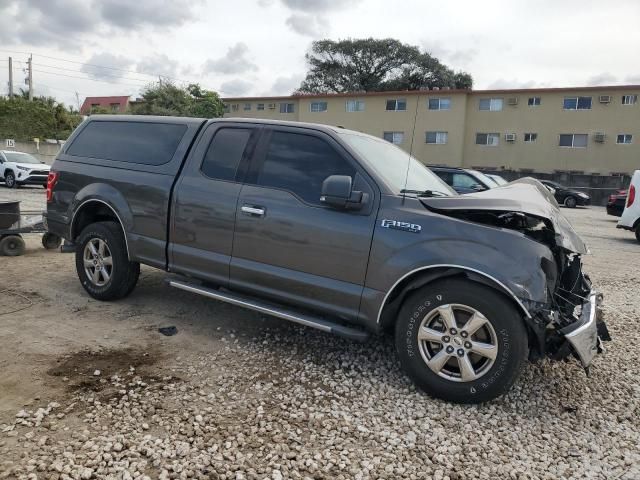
{"type": "Point", "coordinates": [10, 180]}
{"type": "Point", "coordinates": [102, 262]}
{"type": "Point", "coordinates": [461, 341]}
{"type": "Point", "coordinates": [570, 202]}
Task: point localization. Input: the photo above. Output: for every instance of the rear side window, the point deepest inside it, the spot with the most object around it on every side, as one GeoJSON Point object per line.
{"type": "Point", "coordinates": [300, 163]}
{"type": "Point", "coordinates": [225, 152]}
{"type": "Point", "coordinates": [132, 142]}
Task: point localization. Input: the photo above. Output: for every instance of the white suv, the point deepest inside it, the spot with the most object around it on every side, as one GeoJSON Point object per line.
{"type": "Point", "coordinates": [18, 168]}
{"type": "Point", "coordinates": [630, 219]}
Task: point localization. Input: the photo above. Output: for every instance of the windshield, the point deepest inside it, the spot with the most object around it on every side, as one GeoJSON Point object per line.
{"type": "Point", "coordinates": [390, 162]}
{"type": "Point", "coordinates": [20, 157]}
{"type": "Point", "coordinates": [488, 182]}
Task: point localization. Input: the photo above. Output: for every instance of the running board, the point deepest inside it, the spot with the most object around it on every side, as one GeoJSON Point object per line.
{"type": "Point", "coordinates": [273, 310]}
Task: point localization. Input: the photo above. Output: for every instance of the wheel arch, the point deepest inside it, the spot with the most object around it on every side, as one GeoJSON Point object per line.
{"type": "Point", "coordinates": [422, 276]}
{"type": "Point", "coordinates": [94, 210]}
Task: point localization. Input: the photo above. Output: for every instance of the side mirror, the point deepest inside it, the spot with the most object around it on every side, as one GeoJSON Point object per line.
{"type": "Point", "coordinates": [336, 192]}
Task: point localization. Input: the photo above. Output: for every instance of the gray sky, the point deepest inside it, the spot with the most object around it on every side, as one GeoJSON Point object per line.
{"type": "Point", "coordinates": [256, 47]}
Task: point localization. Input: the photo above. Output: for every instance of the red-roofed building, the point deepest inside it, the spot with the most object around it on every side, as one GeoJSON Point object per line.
{"type": "Point", "coordinates": [112, 104]}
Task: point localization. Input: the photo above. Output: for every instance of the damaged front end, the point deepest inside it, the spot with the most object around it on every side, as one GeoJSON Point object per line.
{"type": "Point", "coordinates": [570, 320]}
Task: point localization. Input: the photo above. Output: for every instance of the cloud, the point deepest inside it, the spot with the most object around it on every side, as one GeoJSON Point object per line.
{"type": "Point", "coordinates": [235, 61]}
{"type": "Point", "coordinates": [113, 74]}
{"type": "Point", "coordinates": [318, 6]}
{"type": "Point", "coordinates": [632, 79]}
{"type": "Point", "coordinates": [64, 22]}
{"type": "Point", "coordinates": [604, 78]}
{"type": "Point", "coordinates": [309, 25]}
{"type": "Point", "coordinates": [158, 65]}
{"type": "Point", "coordinates": [286, 85]}
{"type": "Point", "coordinates": [235, 87]}
{"type": "Point", "coordinates": [451, 56]}
{"type": "Point", "coordinates": [503, 83]}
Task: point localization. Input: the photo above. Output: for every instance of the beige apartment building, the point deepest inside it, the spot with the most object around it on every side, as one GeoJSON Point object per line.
{"type": "Point", "coordinates": [590, 130]}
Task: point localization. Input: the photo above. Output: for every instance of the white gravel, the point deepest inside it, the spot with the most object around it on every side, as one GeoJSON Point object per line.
{"type": "Point", "coordinates": [291, 402]}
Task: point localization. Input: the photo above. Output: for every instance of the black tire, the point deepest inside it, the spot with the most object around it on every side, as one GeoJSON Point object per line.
{"type": "Point", "coordinates": [638, 232]}
{"type": "Point", "coordinates": [51, 241]}
{"type": "Point", "coordinates": [570, 202]}
{"type": "Point", "coordinates": [11, 246]}
{"type": "Point", "coordinates": [10, 180]}
{"type": "Point", "coordinates": [509, 336]}
{"type": "Point", "coordinates": [123, 275]}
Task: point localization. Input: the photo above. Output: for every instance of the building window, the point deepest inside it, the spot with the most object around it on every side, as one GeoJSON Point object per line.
{"type": "Point", "coordinates": [491, 104]}
{"type": "Point", "coordinates": [247, 106]}
{"type": "Point", "coordinates": [577, 103]}
{"type": "Point", "coordinates": [260, 106]}
{"type": "Point", "coordinates": [534, 101]}
{"type": "Point", "coordinates": [394, 137]}
{"type": "Point", "coordinates": [573, 140]}
{"type": "Point", "coordinates": [489, 139]}
{"type": "Point", "coordinates": [397, 105]}
{"type": "Point", "coordinates": [355, 106]}
{"type": "Point", "coordinates": [629, 99]}
{"type": "Point", "coordinates": [318, 107]}
{"type": "Point", "coordinates": [437, 138]}
{"type": "Point", "coordinates": [115, 107]}
{"type": "Point", "coordinates": [625, 139]}
{"type": "Point", "coordinates": [530, 137]}
{"type": "Point", "coordinates": [439, 104]}
{"type": "Point", "coordinates": [235, 107]}
{"type": "Point", "coordinates": [286, 108]}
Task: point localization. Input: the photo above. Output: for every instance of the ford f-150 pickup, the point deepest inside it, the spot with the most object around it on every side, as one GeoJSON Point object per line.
{"type": "Point", "coordinates": [335, 230]}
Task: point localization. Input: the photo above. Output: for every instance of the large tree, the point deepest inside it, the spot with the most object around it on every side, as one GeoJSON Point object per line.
{"type": "Point", "coordinates": [375, 65]}
{"type": "Point", "coordinates": [166, 98]}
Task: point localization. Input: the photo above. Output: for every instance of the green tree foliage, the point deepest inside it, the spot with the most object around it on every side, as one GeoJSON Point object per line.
{"type": "Point", "coordinates": [165, 98]}
{"type": "Point", "coordinates": [44, 117]}
{"type": "Point", "coordinates": [375, 65]}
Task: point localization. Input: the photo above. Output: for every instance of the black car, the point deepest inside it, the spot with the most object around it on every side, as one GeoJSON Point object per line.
{"type": "Point", "coordinates": [616, 203]}
{"type": "Point", "coordinates": [567, 196]}
{"type": "Point", "coordinates": [464, 180]}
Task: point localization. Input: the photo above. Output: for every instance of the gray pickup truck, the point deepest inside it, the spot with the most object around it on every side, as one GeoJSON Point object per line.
{"type": "Point", "coordinates": [335, 230]}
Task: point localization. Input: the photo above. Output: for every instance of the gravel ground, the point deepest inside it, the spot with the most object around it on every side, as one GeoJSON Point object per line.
{"type": "Point", "coordinates": [92, 390]}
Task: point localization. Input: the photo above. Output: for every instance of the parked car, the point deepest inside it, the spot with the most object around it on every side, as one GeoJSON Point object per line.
{"type": "Point", "coordinates": [464, 180]}
{"type": "Point", "coordinates": [567, 196]}
{"type": "Point", "coordinates": [499, 180]}
{"type": "Point", "coordinates": [616, 203]}
{"type": "Point", "coordinates": [332, 229]}
{"type": "Point", "coordinates": [630, 219]}
{"type": "Point", "coordinates": [18, 168]}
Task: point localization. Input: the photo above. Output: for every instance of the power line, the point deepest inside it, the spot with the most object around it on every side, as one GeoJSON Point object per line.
{"type": "Point", "coordinates": [145, 82]}
{"type": "Point", "coordinates": [89, 79]}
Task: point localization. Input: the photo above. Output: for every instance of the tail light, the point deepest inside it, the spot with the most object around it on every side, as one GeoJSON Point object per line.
{"type": "Point", "coordinates": [52, 179]}
{"type": "Point", "coordinates": [632, 195]}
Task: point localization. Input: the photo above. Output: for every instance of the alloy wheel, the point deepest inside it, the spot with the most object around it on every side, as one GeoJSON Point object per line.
{"type": "Point", "coordinates": [98, 263]}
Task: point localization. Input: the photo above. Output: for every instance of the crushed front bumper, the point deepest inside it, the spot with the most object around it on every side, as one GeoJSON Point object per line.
{"type": "Point", "coordinates": [585, 334]}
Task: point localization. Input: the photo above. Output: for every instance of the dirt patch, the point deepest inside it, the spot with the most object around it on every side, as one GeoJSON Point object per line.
{"type": "Point", "coordinates": [89, 370]}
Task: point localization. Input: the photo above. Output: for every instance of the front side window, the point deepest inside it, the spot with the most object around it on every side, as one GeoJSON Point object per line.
{"type": "Point", "coordinates": [300, 163]}
{"type": "Point", "coordinates": [530, 137]}
{"type": "Point", "coordinates": [534, 101]}
{"type": "Point", "coordinates": [625, 138]}
{"type": "Point", "coordinates": [355, 106]}
{"type": "Point", "coordinates": [573, 140]}
{"type": "Point", "coordinates": [286, 108]}
{"type": "Point", "coordinates": [490, 104]}
{"type": "Point", "coordinates": [318, 107]}
{"type": "Point", "coordinates": [629, 99]}
{"type": "Point", "coordinates": [394, 137]}
{"type": "Point", "coordinates": [577, 103]}
{"type": "Point", "coordinates": [439, 104]}
{"type": "Point", "coordinates": [146, 143]}
{"type": "Point", "coordinates": [437, 138]}
{"type": "Point", "coordinates": [397, 105]}
{"type": "Point", "coordinates": [225, 152]}
{"type": "Point", "coordinates": [488, 139]}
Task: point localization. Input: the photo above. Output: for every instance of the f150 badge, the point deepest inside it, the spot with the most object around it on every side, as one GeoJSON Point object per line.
{"type": "Point", "coordinates": [405, 226]}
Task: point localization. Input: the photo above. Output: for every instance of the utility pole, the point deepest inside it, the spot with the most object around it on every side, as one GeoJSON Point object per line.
{"type": "Point", "coordinates": [78, 101]}
{"type": "Point", "coordinates": [10, 77]}
{"type": "Point", "coordinates": [30, 79]}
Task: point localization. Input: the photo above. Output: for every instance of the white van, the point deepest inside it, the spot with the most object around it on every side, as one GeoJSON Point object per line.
{"type": "Point", "coordinates": [630, 219]}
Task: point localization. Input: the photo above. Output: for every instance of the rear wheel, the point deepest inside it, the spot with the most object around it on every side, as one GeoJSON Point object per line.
{"type": "Point", "coordinates": [570, 202]}
{"type": "Point", "coordinates": [12, 246]}
{"type": "Point", "coordinates": [102, 262]}
{"type": "Point", "coordinates": [461, 341]}
{"type": "Point", "coordinates": [51, 241]}
{"type": "Point", "coordinates": [638, 232]}
{"type": "Point", "coordinates": [10, 180]}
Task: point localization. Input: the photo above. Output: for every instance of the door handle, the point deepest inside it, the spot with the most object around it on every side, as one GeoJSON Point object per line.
{"type": "Point", "coordinates": [249, 210]}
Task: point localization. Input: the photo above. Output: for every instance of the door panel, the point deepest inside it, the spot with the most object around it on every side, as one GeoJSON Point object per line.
{"type": "Point", "coordinates": [290, 250]}
{"type": "Point", "coordinates": [205, 201]}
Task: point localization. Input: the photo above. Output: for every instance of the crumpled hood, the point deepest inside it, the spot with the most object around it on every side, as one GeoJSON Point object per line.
{"type": "Point", "coordinates": [526, 195]}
